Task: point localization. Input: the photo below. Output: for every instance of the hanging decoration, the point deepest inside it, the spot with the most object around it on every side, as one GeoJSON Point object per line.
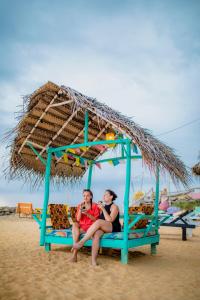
{"type": "Point", "coordinates": [77, 161]}
{"type": "Point", "coordinates": [82, 161]}
{"type": "Point", "coordinates": [86, 164]}
{"type": "Point", "coordinates": [66, 160]}
{"type": "Point", "coordinates": [135, 149]}
{"type": "Point", "coordinates": [118, 135]}
{"type": "Point", "coordinates": [84, 149]}
{"type": "Point", "coordinates": [101, 147]}
{"type": "Point", "coordinates": [115, 162]}
{"type": "Point", "coordinates": [58, 154]}
{"type": "Point", "coordinates": [70, 156]}
{"type": "Point", "coordinates": [98, 165]}
{"type": "Point", "coordinates": [109, 137]}
{"type": "Point", "coordinates": [71, 151]}
{"type": "Point", "coordinates": [78, 151]}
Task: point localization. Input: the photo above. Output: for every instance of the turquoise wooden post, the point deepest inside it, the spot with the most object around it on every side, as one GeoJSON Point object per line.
{"type": "Point", "coordinates": [157, 196]}
{"type": "Point", "coordinates": [122, 150]}
{"type": "Point", "coordinates": [89, 176]}
{"type": "Point", "coordinates": [124, 251]}
{"type": "Point", "coordinates": [46, 199]}
{"type": "Point", "coordinates": [86, 127]}
{"type": "Point", "coordinates": [153, 246]}
{"type": "Point", "coordinates": [35, 151]}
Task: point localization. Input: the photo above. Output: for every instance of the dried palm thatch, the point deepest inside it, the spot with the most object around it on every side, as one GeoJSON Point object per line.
{"type": "Point", "coordinates": [54, 116]}
{"type": "Point", "coordinates": [196, 169]}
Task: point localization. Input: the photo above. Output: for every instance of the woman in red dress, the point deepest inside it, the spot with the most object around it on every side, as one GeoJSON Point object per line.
{"type": "Point", "coordinates": [87, 213]}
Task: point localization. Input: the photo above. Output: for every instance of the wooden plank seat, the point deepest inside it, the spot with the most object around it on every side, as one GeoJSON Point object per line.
{"type": "Point", "coordinates": [136, 238]}
{"type": "Point", "coordinates": [113, 235]}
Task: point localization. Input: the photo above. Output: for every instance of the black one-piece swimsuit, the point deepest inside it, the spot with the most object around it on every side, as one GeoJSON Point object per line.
{"type": "Point", "coordinates": [116, 226]}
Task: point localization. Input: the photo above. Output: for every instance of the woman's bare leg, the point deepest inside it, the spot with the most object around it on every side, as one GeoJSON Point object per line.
{"type": "Point", "coordinates": [75, 235]}
{"type": "Point", "coordinates": [105, 226]}
{"type": "Point", "coordinates": [95, 246]}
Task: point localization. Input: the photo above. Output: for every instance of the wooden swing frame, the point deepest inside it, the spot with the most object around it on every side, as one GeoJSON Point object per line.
{"type": "Point", "coordinates": [125, 243]}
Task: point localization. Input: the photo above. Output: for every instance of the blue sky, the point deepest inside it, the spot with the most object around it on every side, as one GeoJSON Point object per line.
{"type": "Point", "coordinates": [140, 57]}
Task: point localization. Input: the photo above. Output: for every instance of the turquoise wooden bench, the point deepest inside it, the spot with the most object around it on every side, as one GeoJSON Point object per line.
{"type": "Point", "coordinates": [125, 241]}
{"type": "Point", "coordinates": [136, 237]}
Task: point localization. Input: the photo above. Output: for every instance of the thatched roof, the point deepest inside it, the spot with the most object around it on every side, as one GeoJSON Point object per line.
{"type": "Point", "coordinates": [196, 169]}
{"type": "Point", "coordinates": [45, 122]}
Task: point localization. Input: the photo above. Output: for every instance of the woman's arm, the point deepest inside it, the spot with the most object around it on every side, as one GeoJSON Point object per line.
{"type": "Point", "coordinates": [90, 216]}
{"type": "Point", "coordinates": [78, 214]}
{"type": "Point", "coordinates": [113, 214]}
{"type": "Point", "coordinates": [95, 213]}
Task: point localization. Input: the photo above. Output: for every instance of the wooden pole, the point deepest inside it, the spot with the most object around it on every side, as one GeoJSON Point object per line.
{"type": "Point", "coordinates": [157, 197]}
{"type": "Point", "coordinates": [46, 199]}
{"type": "Point", "coordinates": [124, 251]}
{"type": "Point", "coordinates": [89, 176]}
{"type": "Point", "coordinates": [86, 127]}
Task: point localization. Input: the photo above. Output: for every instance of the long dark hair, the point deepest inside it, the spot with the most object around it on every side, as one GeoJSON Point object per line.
{"type": "Point", "coordinates": [91, 194]}
{"type": "Point", "coordinates": [114, 196]}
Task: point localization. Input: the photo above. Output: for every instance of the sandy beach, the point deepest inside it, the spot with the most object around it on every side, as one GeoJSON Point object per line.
{"type": "Point", "coordinates": [28, 272]}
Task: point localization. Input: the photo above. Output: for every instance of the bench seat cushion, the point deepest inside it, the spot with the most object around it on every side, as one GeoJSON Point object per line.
{"type": "Point", "coordinates": [112, 235]}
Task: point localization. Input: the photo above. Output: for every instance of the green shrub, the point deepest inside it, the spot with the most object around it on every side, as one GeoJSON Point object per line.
{"type": "Point", "coordinates": [187, 205]}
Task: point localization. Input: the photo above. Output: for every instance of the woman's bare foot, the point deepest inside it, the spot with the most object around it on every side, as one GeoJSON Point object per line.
{"type": "Point", "coordinates": [94, 264]}
{"type": "Point", "coordinates": [73, 259]}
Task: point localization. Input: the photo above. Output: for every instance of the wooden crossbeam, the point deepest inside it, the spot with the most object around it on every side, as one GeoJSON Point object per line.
{"type": "Point", "coordinates": [61, 103]}
{"type": "Point", "coordinates": [98, 135]}
{"type": "Point", "coordinates": [108, 121]}
{"type": "Point", "coordinates": [79, 134]}
{"type": "Point", "coordinates": [38, 121]}
{"type": "Point", "coordinates": [59, 131]}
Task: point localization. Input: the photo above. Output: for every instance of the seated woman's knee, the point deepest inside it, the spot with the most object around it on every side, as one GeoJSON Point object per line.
{"type": "Point", "coordinates": [99, 222]}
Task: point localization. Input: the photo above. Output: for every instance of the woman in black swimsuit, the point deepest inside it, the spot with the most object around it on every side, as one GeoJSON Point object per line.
{"type": "Point", "coordinates": [107, 222]}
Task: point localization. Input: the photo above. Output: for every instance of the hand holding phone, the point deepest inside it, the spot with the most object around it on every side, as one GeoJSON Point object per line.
{"type": "Point", "coordinates": [101, 205]}
{"type": "Point", "coordinates": [83, 207]}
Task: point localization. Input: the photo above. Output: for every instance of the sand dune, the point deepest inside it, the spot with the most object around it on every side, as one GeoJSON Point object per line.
{"type": "Point", "coordinates": [28, 272]}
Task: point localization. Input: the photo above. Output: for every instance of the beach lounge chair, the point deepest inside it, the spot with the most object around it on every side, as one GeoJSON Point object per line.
{"type": "Point", "coordinates": [24, 208]}
{"type": "Point", "coordinates": [182, 221]}
{"type": "Point", "coordinates": [195, 214]}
